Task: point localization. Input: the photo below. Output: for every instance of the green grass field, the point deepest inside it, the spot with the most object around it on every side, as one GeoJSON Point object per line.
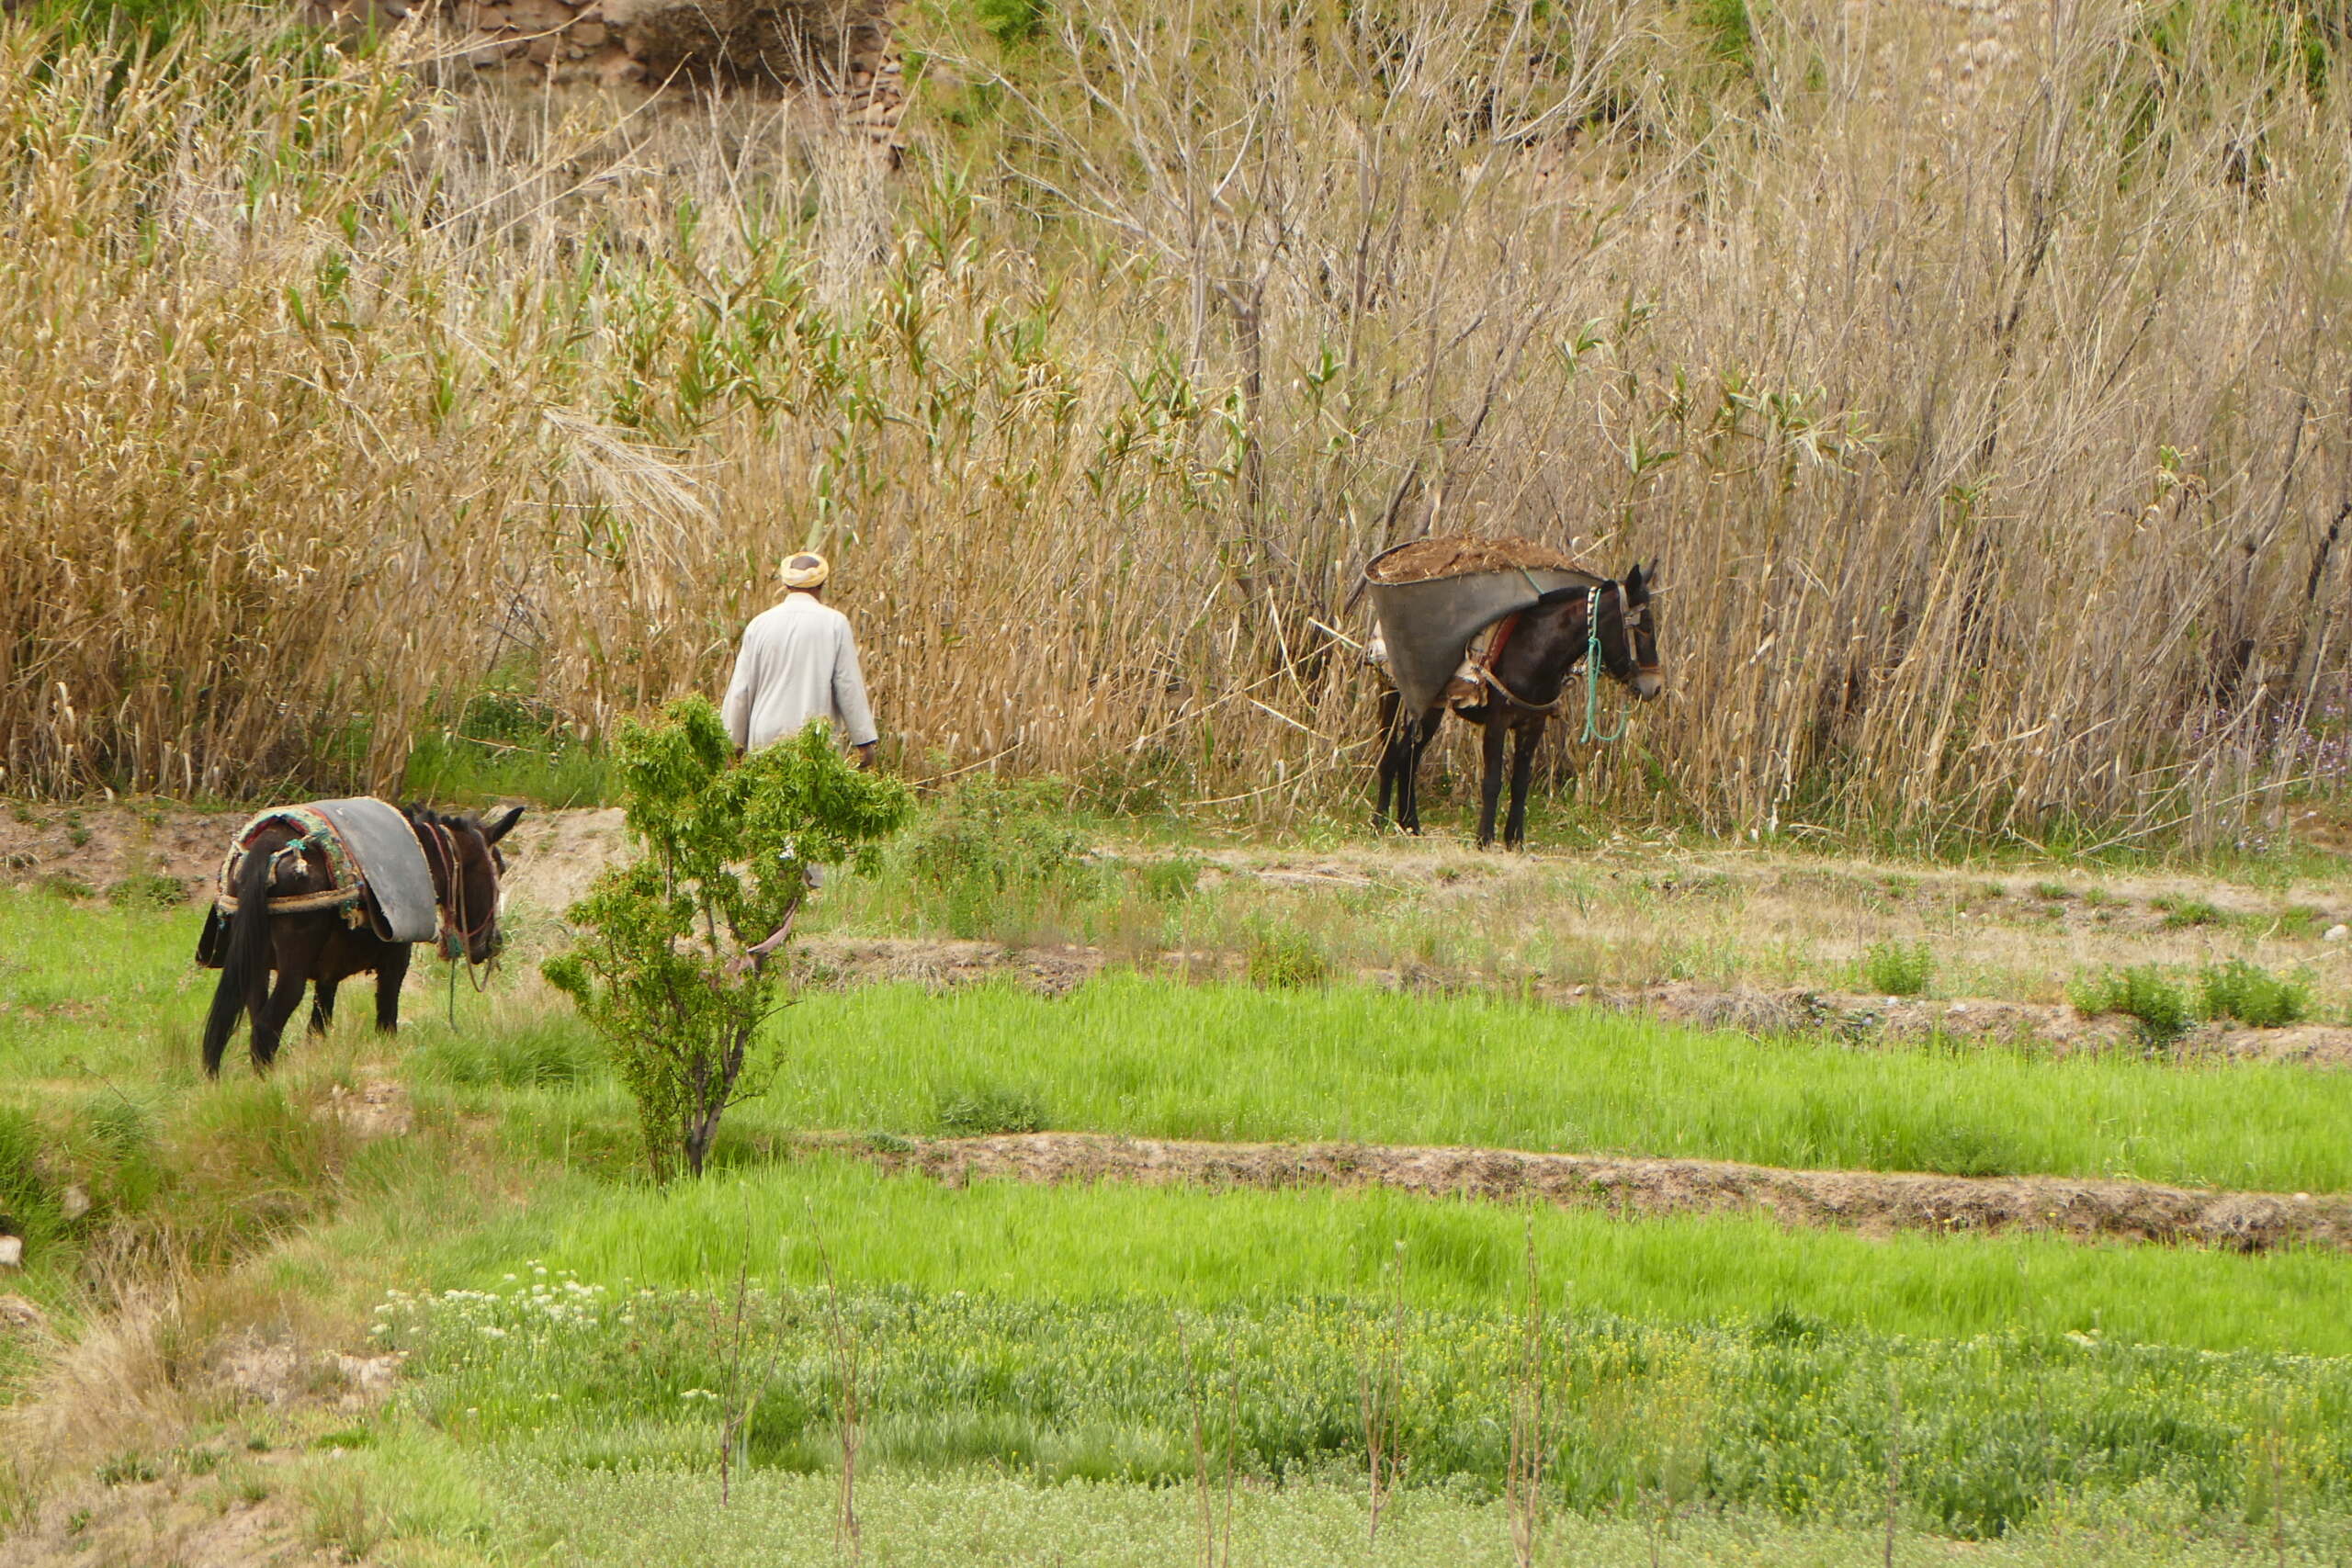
{"type": "Point", "coordinates": [1066, 1335]}
{"type": "Point", "coordinates": [417, 1497]}
{"type": "Point", "coordinates": [1216, 1249]}
{"type": "Point", "coordinates": [100, 995]}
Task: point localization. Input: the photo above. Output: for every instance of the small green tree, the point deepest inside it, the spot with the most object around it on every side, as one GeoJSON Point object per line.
{"type": "Point", "coordinates": [671, 965]}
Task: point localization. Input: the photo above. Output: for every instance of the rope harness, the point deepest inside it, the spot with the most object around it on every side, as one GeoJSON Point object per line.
{"type": "Point", "coordinates": [346, 888]}
{"type": "Point", "coordinates": [455, 940]}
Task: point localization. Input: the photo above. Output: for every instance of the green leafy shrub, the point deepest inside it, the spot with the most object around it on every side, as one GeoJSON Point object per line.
{"type": "Point", "coordinates": [984, 1110]}
{"type": "Point", "coordinates": [2158, 1008]}
{"type": "Point", "coordinates": [1281, 955]}
{"type": "Point", "coordinates": [1958, 1148]}
{"type": "Point", "coordinates": [2183, 913]}
{"type": "Point", "coordinates": [2237, 989]}
{"type": "Point", "coordinates": [669, 967]}
{"type": "Point", "coordinates": [995, 858]}
{"type": "Point", "coordinates": [1728, 29]}
{"type": "Point", "coordinates": [1898, 968]}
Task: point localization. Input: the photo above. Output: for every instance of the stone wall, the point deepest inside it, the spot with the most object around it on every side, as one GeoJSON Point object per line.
{"type": "Point", "coordinates": [839, 51]}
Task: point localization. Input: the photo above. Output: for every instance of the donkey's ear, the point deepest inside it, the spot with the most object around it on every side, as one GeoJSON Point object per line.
{"type": "Point", "coordinates": [1633, 578]}
{"type": "Point", "coordinates": [502, 824]}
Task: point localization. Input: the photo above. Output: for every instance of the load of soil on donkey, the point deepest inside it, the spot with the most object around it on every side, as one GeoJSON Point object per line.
{"type": "Point", "coordinates": [1426, 561]}
{"type": "Point", "coordinates": [1432, 597]}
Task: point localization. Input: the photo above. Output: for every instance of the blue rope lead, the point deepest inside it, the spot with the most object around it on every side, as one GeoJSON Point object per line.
{"type": "Point", "coordinates": [1592, 672]}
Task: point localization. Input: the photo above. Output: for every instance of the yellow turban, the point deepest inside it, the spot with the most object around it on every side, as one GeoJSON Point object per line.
{"type": "Point", "coordinates": [807, 569]}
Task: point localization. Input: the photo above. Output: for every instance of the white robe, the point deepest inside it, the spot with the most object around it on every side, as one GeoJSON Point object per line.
{"type": "Point", "coordinates": [798, 662]}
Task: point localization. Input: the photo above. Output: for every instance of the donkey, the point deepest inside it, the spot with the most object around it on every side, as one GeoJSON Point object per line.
{"type": "Point", "coordinates": [1525, 678]}
{"type": "Point", "coordinates": [319, 947]}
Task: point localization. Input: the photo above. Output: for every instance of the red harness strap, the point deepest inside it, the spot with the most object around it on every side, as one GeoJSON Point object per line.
{"type": "Point", "coordinates": [1501, 640]}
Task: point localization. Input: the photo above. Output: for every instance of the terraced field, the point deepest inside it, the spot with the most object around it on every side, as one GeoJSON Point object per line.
{"type": "Point", "coordinates": [1246, 1201]}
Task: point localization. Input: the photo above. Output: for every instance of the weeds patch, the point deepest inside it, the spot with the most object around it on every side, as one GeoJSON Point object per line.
{"type": "Point", "coordinates": [1898, 968]}
{"type": "Point", "coordinates": [147, 891]}
{"type": "Point", "coordinates": [997, 859]}
{"type": "Point", "coordinates": [2238, 990]}
{"type": "Point", "coordinates": [985, 1110]}
{"type": "Point", "coordinates": [2158, 1008]}
{"type": "Point", "coordinates": [1281, 955]}
{"type": "Point", "coordinates": [2184, 913]}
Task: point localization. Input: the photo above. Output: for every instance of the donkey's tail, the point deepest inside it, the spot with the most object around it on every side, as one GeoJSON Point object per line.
{"type": "Point", "coordinates": [245, 961]}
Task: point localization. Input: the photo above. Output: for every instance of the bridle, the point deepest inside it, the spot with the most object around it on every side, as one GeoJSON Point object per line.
{"type": "Point", "coordinates": [456, 938]}
{"type": "Point", "coordinates": [1631, 619]}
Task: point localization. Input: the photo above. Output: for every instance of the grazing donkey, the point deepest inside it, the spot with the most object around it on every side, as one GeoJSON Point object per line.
{"type": "Point", "coordinates": [284, 908]}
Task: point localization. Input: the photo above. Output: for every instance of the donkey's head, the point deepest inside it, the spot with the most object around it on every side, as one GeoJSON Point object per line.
{"type": "Point", "coordinates": [467, 868]}
{"type": "Point", "coordinates": [1628, 630]}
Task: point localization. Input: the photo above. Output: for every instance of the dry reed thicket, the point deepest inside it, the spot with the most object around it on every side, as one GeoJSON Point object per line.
{"type": "Point", "coordinates": [1979, 380]}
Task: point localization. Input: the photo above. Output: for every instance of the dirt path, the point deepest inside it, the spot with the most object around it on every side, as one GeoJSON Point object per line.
{"type": "Point", "coordinates": [1866, 1200]}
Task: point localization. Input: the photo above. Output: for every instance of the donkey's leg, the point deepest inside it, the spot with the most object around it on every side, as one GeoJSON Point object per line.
{"type": "Point", "coordinates": [1490, 781]}
{"type": "Point", "coordinates": [1418, 733]}
{"type": "Point", "coordinates": [258, 1006]}
{"type": "Point", "coordinates": [323, 1004]}
{"type": "Point", "coordinates": [269, 1023]}
{"type": "Point", "coordinates": [1524, 739]}
{"type": "Point", "coordinates": [215, 1033]}
{"type": "Point", "coordinates": [298, 946]}
{"type": "Point", "coordinates": [391, 969]}
{"type": "Point", "coordinates": [1391, 705]}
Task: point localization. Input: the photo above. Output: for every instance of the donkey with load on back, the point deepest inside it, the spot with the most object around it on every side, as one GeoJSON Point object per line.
{"type": "Point", "coordinates": [1606, 625]}
{"type": "Point", "coordinates": [320, 892]}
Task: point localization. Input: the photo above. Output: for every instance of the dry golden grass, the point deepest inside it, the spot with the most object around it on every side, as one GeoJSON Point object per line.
{"type": "Point", "coordinates": [1977, 377]}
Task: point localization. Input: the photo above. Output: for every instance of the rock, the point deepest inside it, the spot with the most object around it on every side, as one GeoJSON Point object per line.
{"type": "Point", "coordinates": [11, 1252]}
{"type": "Point", "coordinates": [537, 15]}
{"type": "Point", "coordinates": [73, 1203]}
{"type": "Point", "coordinates": [485, 50]}
{"type": "Point", "coordinates": [2338, 933]}
{"type": "Point", "coordinates": [741, 39]}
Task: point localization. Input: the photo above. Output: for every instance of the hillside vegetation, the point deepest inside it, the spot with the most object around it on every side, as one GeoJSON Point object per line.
{"type": "Point", "coordinates": [1973, 377]}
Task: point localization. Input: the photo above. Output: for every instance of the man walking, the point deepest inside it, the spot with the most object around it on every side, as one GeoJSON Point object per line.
{"type": "Point", "coordinates": [798, 662]}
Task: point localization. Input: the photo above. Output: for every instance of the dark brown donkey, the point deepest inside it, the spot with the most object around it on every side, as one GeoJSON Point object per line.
{"type": "Point", "coordinates": [319, 947]}
{"type": "Point", "coordinates": [1525, 681]}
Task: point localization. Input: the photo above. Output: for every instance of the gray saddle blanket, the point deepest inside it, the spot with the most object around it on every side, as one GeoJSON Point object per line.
{"type": "Point", "coordinates": [384, 849]}
{"type": "Point", "coordinates": [1428, 626]}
